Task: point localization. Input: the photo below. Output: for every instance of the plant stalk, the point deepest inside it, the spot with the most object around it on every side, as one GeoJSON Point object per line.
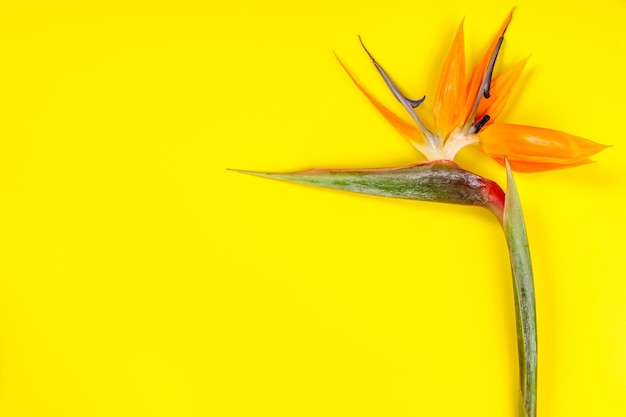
{"type": "Point", "coordinates": [444, 181]}
{"type": "Point", "coordinates": [524, 292]}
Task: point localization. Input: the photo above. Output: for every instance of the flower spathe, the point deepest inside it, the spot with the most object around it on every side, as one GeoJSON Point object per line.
{"type": "Point", "coordinates": [466, 110]}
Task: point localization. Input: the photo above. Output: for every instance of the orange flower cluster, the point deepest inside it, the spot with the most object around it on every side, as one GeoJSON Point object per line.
{"type": "Point", "coordinates": [466, 110]}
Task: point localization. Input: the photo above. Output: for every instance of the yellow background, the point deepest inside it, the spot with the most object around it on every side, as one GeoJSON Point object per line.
{"type": "Point", "coordinates": [139, 277]}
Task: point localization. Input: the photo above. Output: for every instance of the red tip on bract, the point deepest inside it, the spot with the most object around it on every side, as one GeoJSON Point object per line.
{"type": "Point", "coordinates": [495, 199]}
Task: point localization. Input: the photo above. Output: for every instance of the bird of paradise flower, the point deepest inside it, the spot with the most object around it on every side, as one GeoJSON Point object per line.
{"type": "Point", "coordinates": [464, 114]}
{"type": "Point", "coordinates": [466, 110]}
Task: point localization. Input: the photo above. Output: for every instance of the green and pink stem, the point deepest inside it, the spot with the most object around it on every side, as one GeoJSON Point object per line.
{"type": "Point", "coordinates": [444, 181]}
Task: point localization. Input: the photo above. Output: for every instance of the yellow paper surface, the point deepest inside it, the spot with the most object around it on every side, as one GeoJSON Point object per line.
{"type": "Point", "coordinates": [139, 278]}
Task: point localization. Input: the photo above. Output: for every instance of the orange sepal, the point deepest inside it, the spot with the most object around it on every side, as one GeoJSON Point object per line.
{"type": "Point", "coordinates": [450, 98]}
{"type": "Point", "coordinates": [546, 147]}
{"type": "Point", "coordinates": [477, 76]}
{"type": "Point", "coordinates": [525, 166]}
{"type": "Point", "coordinates": [406, 129]}
{"type": "Point", "coordinates": [501, 88]}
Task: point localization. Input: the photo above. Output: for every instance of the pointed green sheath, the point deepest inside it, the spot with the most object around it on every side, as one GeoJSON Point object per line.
{"type": "Point", "coordinates": [524, 291]}
{"type": "Point", "coordinates": [445, 182]}
{"type": "Point", "coordinates": [439, 181]}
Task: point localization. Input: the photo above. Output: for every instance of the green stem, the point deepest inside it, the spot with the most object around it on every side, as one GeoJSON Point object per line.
{"type": "Point", "coordinates": [524, 292]}
{"type": "Point", "coordinates": [446, 182]}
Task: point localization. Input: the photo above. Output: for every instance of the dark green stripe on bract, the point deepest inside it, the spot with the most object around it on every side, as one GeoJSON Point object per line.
{"type": "Point", "coordinates": [440, 181]}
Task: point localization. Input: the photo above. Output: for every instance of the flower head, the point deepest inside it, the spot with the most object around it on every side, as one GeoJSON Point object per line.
{"type": "Point", "coordinates": [465, 113]}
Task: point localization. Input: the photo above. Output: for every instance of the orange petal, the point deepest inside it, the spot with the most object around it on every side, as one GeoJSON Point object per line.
{"type": "Point", "coordinates": [476, 80]}
{"type": "Point", "coordinates": [450, 98]}
{"type": "Point", "coordinates": [525, 166]}
{"type": "Point", "coordinates": [501, 88]}
{"type": "Point", "coordinates": [536, 145]}
{"type": "Point", "coordinates": [410, 132]}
